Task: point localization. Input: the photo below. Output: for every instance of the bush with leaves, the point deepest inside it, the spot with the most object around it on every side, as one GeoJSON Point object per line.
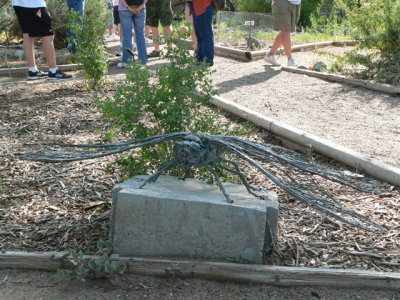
{"type": "Point", "coordinates": [90, 40]}
{"type": "Point", "coordinates": [93, 268]}
{"type": "Point", "coordinates": [174, 100]}
{"type": "Point", "coordinates": [376, 24]}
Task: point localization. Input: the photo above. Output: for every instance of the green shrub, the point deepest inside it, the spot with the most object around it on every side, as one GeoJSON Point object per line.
{"type": "Point", "coordinates": [57, 9]}
{"type": "Point", "coordinates": [261, 6]}
{"type": "Point", "coordinates": [376, 24]}
{"type": "Point", "coordinates": [173, 101]}
{"type": "Point", "coordinates": [92, 268]}
{"type": "Point", "coordinates": [90, 40]}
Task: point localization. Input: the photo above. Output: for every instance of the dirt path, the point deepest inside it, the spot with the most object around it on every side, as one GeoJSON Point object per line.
{"type": "Point", "coordinates": [33, 285]}
{"type": "Point", "coordinates": [360, 119]}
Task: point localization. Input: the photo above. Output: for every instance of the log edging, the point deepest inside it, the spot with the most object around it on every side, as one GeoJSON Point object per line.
{"type": "Point", "coordinates": [381, 87]}
{"type": "Point", "coordinates": [335, 151]}
{"type": "Point", "coordinates": [70, 67]}
{"type": "Point", "coordinates": [221, 271]}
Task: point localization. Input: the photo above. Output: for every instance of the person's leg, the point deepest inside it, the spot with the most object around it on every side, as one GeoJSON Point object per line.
{"type": "Point", "coordinates": [126, 19]}
{"type": "Point", "coordinates": [194, 38]}
{"type": "Point", "coordinates": [286, 42]}
{"type": "Point", "coordinates": [166, 16]}
{"type": "Point", "coordinates": [168, 34]}
{"type": "Point", "coordinates": [48, 50]}
{"type": "Point", "coordinates": [79, 7]}
{"type": "Point", "coordinates": [205, 37]}
{"type": "Point", "coordinates": [139, 21]}
{"type": "Point", "coordinates": [196, 30]}
{"type": "Point", "coordinates": [29, 50]}
{"type": "Point", "coordinates": [156, 37]}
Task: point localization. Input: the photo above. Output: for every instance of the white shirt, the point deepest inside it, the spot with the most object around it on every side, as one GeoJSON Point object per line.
{"type": "Point", "coordinates": [29, 3]}
{"type": "Point", "coordinates": [116, 2]}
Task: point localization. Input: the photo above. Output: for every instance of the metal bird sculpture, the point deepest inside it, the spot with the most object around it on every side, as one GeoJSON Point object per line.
{"type": "Point", "coordinates": [197, 149]}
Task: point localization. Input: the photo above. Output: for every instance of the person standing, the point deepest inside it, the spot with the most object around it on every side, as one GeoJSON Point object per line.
{"type": "Point", "coordinates": [132, 12]}
{"type": "Point", "coordinates": [35, 22]}
{"type": "Point", "coordinates": [202, 11]}
{"type": "Point", "coordinates": [286, 14]}
{"type": "Point", "coordinates": [159, 11]}
{"type": "Point", "coordinates": [79, 7]}
{"type": "Point", "coordinates": [189, 19]}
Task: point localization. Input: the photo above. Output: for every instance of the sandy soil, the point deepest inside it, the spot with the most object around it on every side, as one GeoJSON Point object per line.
{"type": "Point", "coordinates": [360, 119]}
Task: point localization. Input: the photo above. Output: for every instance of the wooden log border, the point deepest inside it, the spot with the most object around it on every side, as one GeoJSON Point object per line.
{"type": "Point", "coordinates": [70, 67]}
{"type": "Point", "coordinates": [337, 152]}
{"type": "Point", "coordinates": [262, 274]}
{"type": "Point", "coordinates": [386, 88]}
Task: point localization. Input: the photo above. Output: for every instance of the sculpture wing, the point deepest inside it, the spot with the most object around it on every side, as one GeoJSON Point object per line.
{"type": "Point", "coordinates": [302, 179]}
{"type": "Point", "coordinates": [88, 151]}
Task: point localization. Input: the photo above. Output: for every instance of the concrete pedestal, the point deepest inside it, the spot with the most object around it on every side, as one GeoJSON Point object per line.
{"type": "Point", "coordinates": [190, 219]}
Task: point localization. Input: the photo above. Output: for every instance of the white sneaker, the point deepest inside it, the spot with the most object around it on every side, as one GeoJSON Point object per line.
{"type": "Point", "coordinates": [271, 59]}
{"type": "Point", "coordinates": [122, 65]}
{"type": "Point", "coordinates": [291, 62]}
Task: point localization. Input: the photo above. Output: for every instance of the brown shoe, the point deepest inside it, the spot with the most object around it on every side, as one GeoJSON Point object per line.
{"type": "Point", "coordinates": [154, 54]}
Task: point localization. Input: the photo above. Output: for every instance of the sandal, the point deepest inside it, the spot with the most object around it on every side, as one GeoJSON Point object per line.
{"type": "Point", "coordinates": [154, 54]}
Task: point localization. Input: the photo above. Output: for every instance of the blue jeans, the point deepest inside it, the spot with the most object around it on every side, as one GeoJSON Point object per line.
{"type": "Point", "coordinates": [205, 37]}
{"type": "Point", "coordinates": [138, 21]}
{"type": "Point", "coordinates": [79, 6]}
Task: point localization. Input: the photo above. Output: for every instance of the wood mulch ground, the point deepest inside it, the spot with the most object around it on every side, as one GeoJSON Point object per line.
{"type": "Point", "coordinates": [60, 207]}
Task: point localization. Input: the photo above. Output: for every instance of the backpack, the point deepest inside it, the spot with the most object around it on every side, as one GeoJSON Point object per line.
{"type": "Point", "coordinates": [219, 4]}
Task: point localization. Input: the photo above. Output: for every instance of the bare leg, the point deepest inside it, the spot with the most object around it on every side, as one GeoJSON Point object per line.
{"type": "Point", "coordinates": [29, 50]}
{"type": "Point", "coordinates": [48, 50]}
{"type": "Point", "coordinates": [194, 39]}
{"type": "Point", "coordinates": [283, 38]}
{"type": "Point", "coordinates": [156, 35]}
{"type": "Point", "coordinates": [168, 34]}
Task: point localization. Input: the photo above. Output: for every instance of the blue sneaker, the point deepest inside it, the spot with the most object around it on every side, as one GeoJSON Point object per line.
{"type": "Point", "coordinates": [36, 75]}
{"type": "Point", "coordinates": [58, 75]}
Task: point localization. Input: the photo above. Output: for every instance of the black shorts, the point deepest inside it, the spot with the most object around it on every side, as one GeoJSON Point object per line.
{"type": "Point", "coordinates": [34, 21]}
{"type": "Point", "coordinates": [116, 15]}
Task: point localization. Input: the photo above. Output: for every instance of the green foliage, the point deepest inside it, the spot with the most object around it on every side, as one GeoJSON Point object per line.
{"type": "Point", "coordinates": [9, 28]}
{"type": "Point", "coordinates": [59, 21]}
{"type": "Point", "coordinates": [90, 40]}
{"type": "Point", "coordinates": [376, 24]}
{"type": "Point", "coordinates": [262, 6]}
{"type": "Point", "coordinates": [308, 8]}
{"type": "Point", "coordinates": [92, 268]}
{"type": "Point", "coordinates": [173, 101]}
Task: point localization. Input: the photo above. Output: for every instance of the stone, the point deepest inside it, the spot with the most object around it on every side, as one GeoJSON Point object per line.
{"type": "Point", "coordinates": [18, 53]}
{"type": "Point", "coordinates": [319, 66]}
{"type": "Point", "coordinates": [189, 218]}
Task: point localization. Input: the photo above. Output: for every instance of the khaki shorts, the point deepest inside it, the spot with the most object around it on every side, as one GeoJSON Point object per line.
{"type": "Point", "coordinates": [158, 11]}
{"type": "Point", "coordinates": [286, 15]}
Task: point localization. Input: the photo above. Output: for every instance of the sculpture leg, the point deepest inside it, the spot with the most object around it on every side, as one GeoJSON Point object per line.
{"type": "Point", "coordinates": [237, 172]}
{"type": "Point", "coordinates": [154, 177]}
{"type": "Point", "coordinates": [216, 177]}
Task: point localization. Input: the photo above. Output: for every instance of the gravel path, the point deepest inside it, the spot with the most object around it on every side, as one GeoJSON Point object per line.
{"type": "Point", "coordinates": [360, 119]}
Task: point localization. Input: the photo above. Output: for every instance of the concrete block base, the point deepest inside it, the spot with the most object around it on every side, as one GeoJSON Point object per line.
{"type": "Point", "coordinates": [190, 218]}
